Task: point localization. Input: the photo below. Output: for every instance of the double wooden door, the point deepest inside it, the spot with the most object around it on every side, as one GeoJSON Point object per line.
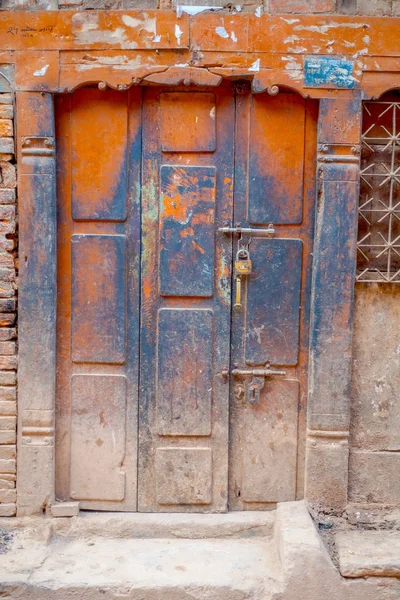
{"type": "Point", "coordinates": [169, 398]}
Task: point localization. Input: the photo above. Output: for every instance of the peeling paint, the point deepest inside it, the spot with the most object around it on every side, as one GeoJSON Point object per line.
{"type": "Point", "coordinates": [194, 10]}
{"type": "Point", "coordinates": [297, 49]}
{"type": "Point", "coordinates": [178, 34]}
{"type": "Point", "coordinates": [255, 67]}
{"type": "Point", "coordinates": [291, 39]}
{"type": "Point", "coordinates": [41, 72]}
{"type": "Point", "coordinates": [233, 37]}
{"type": "Point", "coordinates": [325, 28]}
{"type": "Point", "coordinates": [221, 31]}
{"type": "Point", "coordinates": [86, 31]}
{"type": "Point", "coordinates": [290, 21]}
{"type": "Point", "coordinates": [147, 24]}
{"type": "Point", "coordinates": [258, 11]}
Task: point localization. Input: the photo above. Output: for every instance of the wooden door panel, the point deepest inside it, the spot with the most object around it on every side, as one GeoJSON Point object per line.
{"type": "Point", "coordinates": [276, 159]}
{"type": "Point", "coordinates": [187, 217]}
{"type": "Point", "coordinates": [98, 417]}
{"type": "Point", "coordinates": [184, 377]}
{"type": "Point", "coordinates": [265, 443]}
{"type": "Point", "coordinates": [98, 152]}
{"type": "Point", "coordinates": [185, 330]}
{"type": "Point", "coordinates": [275, 165]}
{"type": "Point", "coordinates": [273, 302]}
{"type": "Point", "coordinates": [99, 170]}
{"type": "Point", "coordinates": [98, 312]}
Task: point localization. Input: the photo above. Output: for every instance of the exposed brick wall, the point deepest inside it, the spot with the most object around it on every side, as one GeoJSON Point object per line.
{"type": "Point", "coordinates": [8, 334]}
{"type": "Point", "coordinates": [351, 7]}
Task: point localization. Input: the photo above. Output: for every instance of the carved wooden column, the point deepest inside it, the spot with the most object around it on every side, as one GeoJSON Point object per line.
{"type": "Point", "coordinates": [332, 302]}
{"type": "Point", "coordinates": [37, 307]}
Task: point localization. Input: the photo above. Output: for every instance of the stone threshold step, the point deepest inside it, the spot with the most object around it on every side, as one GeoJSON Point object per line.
{"type": "Point", "coordinates": [144, 525]}
{"type": "Point", "coordinates": [369, 553]}
{"type": "Point", "coordinates": [140, 568]}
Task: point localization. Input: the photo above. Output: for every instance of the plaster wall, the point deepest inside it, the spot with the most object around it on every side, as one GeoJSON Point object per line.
{"type": "Point", "coordinates": [375, 406]}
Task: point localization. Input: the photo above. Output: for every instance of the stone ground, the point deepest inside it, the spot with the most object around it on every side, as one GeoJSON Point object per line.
{"type": "Point", "coordinates": [276, 555]}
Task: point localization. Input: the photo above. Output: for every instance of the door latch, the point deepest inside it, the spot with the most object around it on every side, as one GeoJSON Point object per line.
{"type": "Point", "coordinates": [254, 385]}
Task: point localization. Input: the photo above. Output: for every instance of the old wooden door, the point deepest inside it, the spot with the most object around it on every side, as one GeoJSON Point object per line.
{"type": "Point", "coordinates": [154, 404]}
{"type": "Point", "coordinates": [274, 185]}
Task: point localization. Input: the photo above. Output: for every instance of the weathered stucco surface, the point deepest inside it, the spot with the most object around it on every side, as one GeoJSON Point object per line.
{"type": "Point", "coordinates": [375, 406]}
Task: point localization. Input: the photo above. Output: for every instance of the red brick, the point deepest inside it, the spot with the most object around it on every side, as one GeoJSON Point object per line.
{"type": "Point", "coordinates": [8, 453]}
{"type": "Point", "coordinates": [8, 496]}
{"type": "Point", "coordinates": [7, 212]}
{"type": "Point", "coordinates": [6, 128]}
{"type": "Point", "coordinates": [6, 319]}
{"type": "Point", "coordinates": [8, 378]}
{"type": "Point", "coordinates": [6, 145]}
{"type": "Point", "coordinates": [6, 290]}
{"type": "Point", "coordinates": [8, 437]}
{"type": "Point", "coordinates": [7, 274]}
{"type": "Point", "coordinates": [7, 424]}
{"type": "Point", "coordinates": [7, 393]}
{"type": "Point", "coordinates": [6, 260]}
{"type": "Point", "coordinates": [8, 510]}
{"type": "Point", "coordinates": [8, 363]}
{"type": "Point", "coordinates": [302, 6]}
{"type": "Point", "coordinates": [7, 333]}
{"type": "Point", "coordinates": [6, 98]}
{"type": "Point", "coordinates": [5, 243]}
{"type": "Point", "coordinates": [8, 407]}
{"type": "Point", "coordinates": [7, 466]}
{"type": "Point", "coordinates": [6, 484]}
{"type": "Point", "coordinates": [8, 174]}
{"type": "Point", "coordinates": [7, 348]}
{"type": "Point", "coordinates": [6, 111]}
{"type": "Point", "coordinates": [7, 196]}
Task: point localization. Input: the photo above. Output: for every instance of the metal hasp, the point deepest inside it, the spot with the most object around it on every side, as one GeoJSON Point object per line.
{"type": "Point", "coordinates": [268, 232]}
{"type": "Point", "coordinates": [257, 382]}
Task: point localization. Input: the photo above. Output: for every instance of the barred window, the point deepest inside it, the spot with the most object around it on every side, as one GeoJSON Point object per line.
{"type": "Point", "coordinates": [379, 208]}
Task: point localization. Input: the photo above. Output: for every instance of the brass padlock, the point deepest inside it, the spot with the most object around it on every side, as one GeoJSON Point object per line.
{"type": "Point", "coordinates": [243, 264]}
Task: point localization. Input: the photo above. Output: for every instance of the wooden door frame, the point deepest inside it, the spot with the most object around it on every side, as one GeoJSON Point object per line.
{"type": "Point", "coordinates": [47, 50]}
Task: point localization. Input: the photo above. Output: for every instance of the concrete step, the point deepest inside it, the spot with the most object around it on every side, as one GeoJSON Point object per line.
{"type": "Point", "coordinates": [369, 553]}
{"type": "Point", "coordinates": [141, 568]}
{"type": "Point", "coordinates": [277, 555]}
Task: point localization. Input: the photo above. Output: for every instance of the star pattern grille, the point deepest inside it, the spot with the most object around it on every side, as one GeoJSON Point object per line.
{"type": "Point", "coordinates": [379, 208]}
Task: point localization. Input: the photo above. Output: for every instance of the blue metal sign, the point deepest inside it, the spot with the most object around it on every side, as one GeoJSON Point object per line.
{"type": "Point", "coordinates": [326, 71]}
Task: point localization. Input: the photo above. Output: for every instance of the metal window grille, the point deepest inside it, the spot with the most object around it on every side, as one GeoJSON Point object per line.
{"type": "Point", "coordinates": [379, 208]}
